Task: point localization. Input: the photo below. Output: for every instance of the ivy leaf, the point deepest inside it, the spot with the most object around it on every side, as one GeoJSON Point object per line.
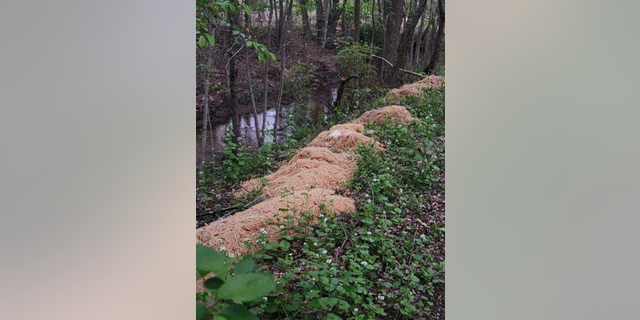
{"type": "Point", "coordinates": [245, 266]}
{"type": "Point", "coordinates": [238, 312]}
{"type": "Point", "coordinates": [332, 316]}
{"type": "Point", "coordinates": [246, 287]}
{"type": "Point", "coordinates": [209, 260]}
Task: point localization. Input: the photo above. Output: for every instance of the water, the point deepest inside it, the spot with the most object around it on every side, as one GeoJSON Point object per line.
{"type": "Point", "coordinates": [320, 97]}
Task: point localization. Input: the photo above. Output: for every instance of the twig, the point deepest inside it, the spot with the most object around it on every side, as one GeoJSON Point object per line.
{"type": "Point", "coordinates": [233, 56]}
{"type": "Point", "coordinates": [232, 209]}
{"type": "Point", "coordinates": [230, 47]}
{"type": "Point", "coordinates": [403, 70]}
{"type": "Point", "coordinates": [346, 237]}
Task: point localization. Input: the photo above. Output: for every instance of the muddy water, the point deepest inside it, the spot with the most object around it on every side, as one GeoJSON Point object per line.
{"type": "Point", "coordinates": [320, 97]}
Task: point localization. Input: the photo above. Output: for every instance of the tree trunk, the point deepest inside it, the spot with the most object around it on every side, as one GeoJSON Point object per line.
{"type": "Point", "coordinates": [427, 37]}
{"type": "Point", "coordinates": [334, 16]}
{"type": "Point", "coordinates": [326, 21]}
{"type": "Point", "coordinates": [417, 45]}
{"type": "Point", "coordinates": [413, 37]}
{"type": "Point", "coordinates": [280, 21]}
{"type": "Point", "coordinates": [436, 48]}
{"type": "Point", "coordinates": [373, 22]}
{"type": "Point", "coordinates": [283, 38]}
{"type": "Point", "coordinates": [266, 77]}
{"type": "Point", "coordinates": [271, 9]}
{"type": "Point", "coordinates": [253, 99]}
{"type": "Point", "coordinates": [394, 11]}
{"type": "Point", "coordinates": [356, 21]}
{"type": "Point", "coordinates": [306, 26]}
{"type": "Point", "coordinates": [320, 19]}
{"type": "Point", "coordinates": [343, 82]}
{"type": "Point", "coordinates": [265, 98]}
{"type": "Point", "coordinates": [205, 110]}
{"type": "Point", "coordinates": [279, 103]}
{"type": "Point", "coordinates": [235, 116]}
{"type": "Point", "coordinates": [247, 20]}
{"type": "Point", "coordinates": [233, 76]}
{"type": "Point", "coordinates": [405, 43]}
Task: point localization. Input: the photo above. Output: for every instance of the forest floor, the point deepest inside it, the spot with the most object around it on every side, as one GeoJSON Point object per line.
{"type": "Point", "coordinates": [298, 50]}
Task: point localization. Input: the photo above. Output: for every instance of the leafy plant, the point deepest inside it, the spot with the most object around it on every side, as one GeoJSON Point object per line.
{"type": "Point", "coordinates": [234, 285]}
{"type": "Point", "coordinates": [366, 30]}
{"type": "Point", "coordinates": [241, 162]}
{"type": "Point", "coordinates": [355, 59]}
{"type": "Point", "coordinates": [299, 78]}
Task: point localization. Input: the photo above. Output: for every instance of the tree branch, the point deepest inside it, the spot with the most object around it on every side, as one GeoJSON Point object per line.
{"type": "Point", "coordinates": [403, 70]}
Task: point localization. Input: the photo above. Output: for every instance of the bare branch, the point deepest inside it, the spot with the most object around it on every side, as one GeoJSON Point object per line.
{"type": "Point", "coordinates": [403, 70]}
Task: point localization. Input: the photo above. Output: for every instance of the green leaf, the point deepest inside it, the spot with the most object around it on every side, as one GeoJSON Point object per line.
{"type": "Point", "coordinates": [201, 311]}
{"type": "Point", "coordinates": [209, 260]}
{"type": "Point", "coordinates": [238, 312]}
{"type": "Point", "coordinates": [211, 38]}
{"type": "Point", "coordinates": [245, 266]}
{"type": "Point", "coordinates": [246, 8]}
{"type": "Point", "coordinates": [246, 287]}
{"type": "Point", "coordinates": [327, 303]}
{"type": "Point", "coordinates": [285, 245]}
{"type": "Point", "coordinates": [343, 305]}
{"type": "Point", "coordinates": [213, 283]}
{"type": "Point", "coordinates": [332, 316]}
{"type": "Point", "coordinates": [202, 42]}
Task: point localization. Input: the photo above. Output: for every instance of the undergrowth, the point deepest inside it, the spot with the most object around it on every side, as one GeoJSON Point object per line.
{"type": "Point", "coordinates": [386, 260]}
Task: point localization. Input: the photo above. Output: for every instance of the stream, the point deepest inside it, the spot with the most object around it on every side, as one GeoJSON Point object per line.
{"type": "Point", "coordinates": [319, 98]}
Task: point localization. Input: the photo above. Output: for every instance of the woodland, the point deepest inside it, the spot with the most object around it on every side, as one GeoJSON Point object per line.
{"type": "Point", "coordinates": [320, 150]}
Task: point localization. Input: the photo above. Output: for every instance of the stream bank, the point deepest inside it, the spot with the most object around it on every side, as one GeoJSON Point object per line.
{"type": "Point", "coordinates": [319, 98]}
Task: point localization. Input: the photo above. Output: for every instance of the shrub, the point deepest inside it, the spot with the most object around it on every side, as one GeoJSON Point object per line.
{"type": "Point", "coordinates": [241, 162]}
{"type": "Point", "coordinates": [297, 81]}
{"type": "Point", "coordinates": [355, 59]}
{"type": "Point", "coordinates": [366, 29]}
